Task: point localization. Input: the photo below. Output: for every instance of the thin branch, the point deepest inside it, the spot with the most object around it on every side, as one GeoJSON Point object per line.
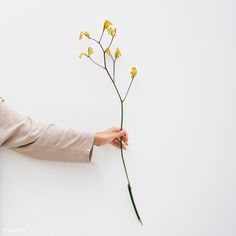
{"type": "Point", "coordinates": [111, 41]}
{"type": "Point", "coordinates": [98, 42]}
{"type": "Point", "coordinates": [113, 70]}
{"type": "Point", "coordinates": [102, 47]}
{"type": "Point", "coordinates": [96, 62]}
{"type": "Point", "coordinates": [101, 35]}
{"type": "Point", "coordinates": [105, 65]}
{"type": "Point", "coordinates": [104, 59]}
{"type": "Point", "coordinates": [109, 75]}
{"type": "Point", "coordinates": [112, 58]}
{"type": "Point", "coordinates": [94, 40]}
{"type": "Point", "coordinates": [128, 90]}
{"type": "Point", "coordinates": [113, 84]}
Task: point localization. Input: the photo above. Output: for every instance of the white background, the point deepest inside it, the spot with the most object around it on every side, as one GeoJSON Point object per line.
{"type": "Point", "coordinates": [180, 117]}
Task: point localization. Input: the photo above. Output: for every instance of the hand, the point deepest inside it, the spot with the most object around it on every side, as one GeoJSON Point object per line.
{"type": "Point", "coordinates": [112, 136]}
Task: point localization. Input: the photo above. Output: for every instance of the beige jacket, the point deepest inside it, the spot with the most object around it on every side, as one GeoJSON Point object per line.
{"type": "Point", "coordinates": [21, 134]}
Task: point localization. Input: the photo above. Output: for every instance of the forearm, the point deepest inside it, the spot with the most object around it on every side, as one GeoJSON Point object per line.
{"type": "Point", "coordinates": [21, 134]}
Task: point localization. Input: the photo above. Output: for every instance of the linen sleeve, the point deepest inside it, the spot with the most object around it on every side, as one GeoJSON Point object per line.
{"type": "Point", "coordinates": [21, 134]}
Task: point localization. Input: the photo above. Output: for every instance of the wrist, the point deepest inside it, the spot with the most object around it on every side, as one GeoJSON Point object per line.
{"type": "Point", "coordinates": [97, 140]}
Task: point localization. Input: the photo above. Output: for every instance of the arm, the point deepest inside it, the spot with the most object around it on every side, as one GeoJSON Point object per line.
{"type": "Point", "coordinates": [21, 134]}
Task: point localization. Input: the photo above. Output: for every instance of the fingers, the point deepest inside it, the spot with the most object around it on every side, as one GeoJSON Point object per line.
{"type": "Point", "coordinates": [116, 143]}
{"type": "Point", "coordinates": [126, 138]}
{"type": "Point", "coordinates": [118, 146]}
{"type": "Point", "coordinates": [117, 133]}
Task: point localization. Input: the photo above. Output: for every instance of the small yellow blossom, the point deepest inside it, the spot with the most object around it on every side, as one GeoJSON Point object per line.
{"type": "Point", "coordinates": [108, 52]}
{"type": "Point", "coordinates": [109, 30]}
{"type": "Point", "coordinates": [107, 24]}
{"type": "Point", "coordinates": [82, 53]}
{"type": "Point", "coordinates": [87, 34]}
{"type": "Point", "coordinates": [113, 32]}
{"type": "Point", "coordinates": [90, 51]}
{"type": "Point", "coordinates": [81, 35]}
{"type": "Point", "coordinates": [117, 53]}
{"type": "Point", "coordinates": [133, 72]}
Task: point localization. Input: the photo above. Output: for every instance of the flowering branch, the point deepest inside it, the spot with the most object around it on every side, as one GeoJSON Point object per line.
{"type": "Point", "coordinates": [133, 73]}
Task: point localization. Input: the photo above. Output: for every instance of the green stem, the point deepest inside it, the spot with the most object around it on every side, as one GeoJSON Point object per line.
{"type": "Point", "coordinates": [122, 155]}
{"type": "Point", "coordinates": [121, 148]}
{"type": "Point", "coordinates": [133, 202]}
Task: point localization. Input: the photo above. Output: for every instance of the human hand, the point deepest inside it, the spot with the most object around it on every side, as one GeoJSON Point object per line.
{"type": "Point", "coordinates": [112, 136]}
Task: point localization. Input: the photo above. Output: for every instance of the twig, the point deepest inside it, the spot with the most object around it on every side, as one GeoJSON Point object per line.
{"type": "Point", "coordinates": [96, 62]}
{"type": "Point", "coordinates": [128, 90]}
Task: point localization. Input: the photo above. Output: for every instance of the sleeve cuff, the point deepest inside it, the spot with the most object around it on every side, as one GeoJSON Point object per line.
{"type": "Point", "coordinates": [90, 136]}
{"type": "Point", "coordinates": [90, 154]}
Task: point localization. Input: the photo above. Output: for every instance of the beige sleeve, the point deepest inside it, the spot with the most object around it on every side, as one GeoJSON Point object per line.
{"type": "Point", "coordinates": [21, 134]}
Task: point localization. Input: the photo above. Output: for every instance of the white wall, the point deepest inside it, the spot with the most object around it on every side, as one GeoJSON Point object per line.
{"type": "Point", "coordinates": [180, 116]}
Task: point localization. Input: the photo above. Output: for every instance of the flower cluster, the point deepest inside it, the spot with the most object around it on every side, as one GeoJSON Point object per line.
{"type": "Point", "coordinates": [112, 31]}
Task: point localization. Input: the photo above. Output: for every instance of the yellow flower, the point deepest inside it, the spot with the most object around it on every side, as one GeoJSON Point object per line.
{"type": "Point", "coordinates": [107, 24]}
{"type": "Point", "coordinates": [109, 30]}
{"type": "Point", "coordinates": [117, 53]}
{"type": "Point", "coordinates": [81, 35]}
{"type": "Point", "coordinates": [113, 32]}
{"type": "Point", "coordinates": [87, 34]}
{"type": "Point", "coordinates": [90, 51]}
{"type": "Point", "coordinates": [81, 54]}
{"type": "Point", "coordinates": [108, 52]}
{"type": "Point", "coordinates": [133, 72]}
